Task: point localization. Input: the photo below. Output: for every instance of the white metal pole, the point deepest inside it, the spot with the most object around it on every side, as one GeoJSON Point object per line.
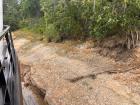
{"type": "Point", "coordinates": [1, 15]}
{"type": "Point", "coordinates": [1, 27]}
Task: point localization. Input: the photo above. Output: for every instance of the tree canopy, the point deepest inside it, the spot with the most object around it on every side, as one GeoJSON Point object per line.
{"type": "Point", "coordinates": [78, 19]}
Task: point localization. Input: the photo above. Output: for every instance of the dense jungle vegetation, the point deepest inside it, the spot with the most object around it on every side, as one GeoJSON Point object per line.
{"type": "Point", "coordinates": [76, 19]}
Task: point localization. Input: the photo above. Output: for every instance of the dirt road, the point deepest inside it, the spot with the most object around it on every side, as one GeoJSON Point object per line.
{"type": "Point", "coordinates": [77, 76]}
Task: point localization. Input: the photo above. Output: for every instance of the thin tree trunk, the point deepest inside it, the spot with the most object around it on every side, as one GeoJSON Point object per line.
{"type": "Point", "coordinates": [94, 6]}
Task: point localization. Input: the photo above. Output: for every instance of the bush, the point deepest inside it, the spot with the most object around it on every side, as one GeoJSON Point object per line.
{"type": "Point", "coordinates": [12, 22]}
{"type": "Point", "coordinates": [78, 19]}
{"type": "Point", "coordinates": [52, 34]}
{"type": "Point", "coordinates": [36, 25]}
{"type": "Point", "coordinates": [92, 18]}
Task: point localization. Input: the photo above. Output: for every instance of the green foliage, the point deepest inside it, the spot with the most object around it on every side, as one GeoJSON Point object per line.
{"type": "Point", "coordinates": [18, 12]}
{"type": "Point", "coordinates": [52, 34]}
{"type": "Point", "coordinates": [11, 13]}
{"type": "Point", "coordinates": [34, 24]}
{"type": "Point", "coordinates": [77, 19]}
{"type": "Point", "coordinates": [29, 8]}
{"type": "Point", "coordinates": [96, 18]}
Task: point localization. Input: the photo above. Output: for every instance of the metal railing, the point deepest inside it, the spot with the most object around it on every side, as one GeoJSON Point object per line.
{"type": "Point", "coordinates": [10, 85]}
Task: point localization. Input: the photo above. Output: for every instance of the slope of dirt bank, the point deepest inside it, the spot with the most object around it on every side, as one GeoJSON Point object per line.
{"type": "Point", "coordinates": [31, 96]}
{"type": "Point", "coordinates": [78, 76]}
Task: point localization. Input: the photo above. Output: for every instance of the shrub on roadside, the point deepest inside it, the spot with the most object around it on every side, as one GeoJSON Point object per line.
{"type": "Point", "coordinates": [92, 18]}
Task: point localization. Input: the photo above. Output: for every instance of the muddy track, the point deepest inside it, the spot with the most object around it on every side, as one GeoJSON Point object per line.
{"type": "Point", "coordinates": [78, 77]}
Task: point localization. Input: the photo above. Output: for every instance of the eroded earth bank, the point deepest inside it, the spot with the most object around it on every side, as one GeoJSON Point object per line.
{"type": "Point", "coordinates": [59, 74]}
